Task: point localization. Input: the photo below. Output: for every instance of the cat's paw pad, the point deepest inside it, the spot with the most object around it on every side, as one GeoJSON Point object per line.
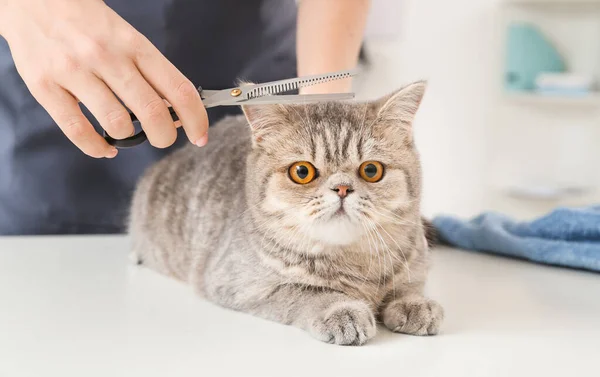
{"type": "Point", "coordinates": [345, 323]}
{"type": "Point", "coordinates": [415, 316]}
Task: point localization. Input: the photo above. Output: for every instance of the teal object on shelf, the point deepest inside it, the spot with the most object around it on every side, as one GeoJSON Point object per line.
{"type": "Point", "coordinates": [528, 54]}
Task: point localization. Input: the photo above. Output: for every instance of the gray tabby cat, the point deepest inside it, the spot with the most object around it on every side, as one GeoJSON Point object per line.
{"type": "Point", "coordinates": [303, 214]}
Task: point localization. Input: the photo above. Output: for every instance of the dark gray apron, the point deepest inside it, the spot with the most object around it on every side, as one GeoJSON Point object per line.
{"type": "Point", "coordinates": [47, 186]}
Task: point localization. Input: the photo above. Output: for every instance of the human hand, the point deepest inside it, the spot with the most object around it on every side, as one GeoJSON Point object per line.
{"type": "Point", "coordinates": [68, 51]}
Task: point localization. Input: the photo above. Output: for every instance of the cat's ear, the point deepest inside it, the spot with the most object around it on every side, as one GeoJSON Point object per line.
{"type": "Point", "coordinates": [264, 119]}
{"type": "Point", "coordinates": [400, 107]}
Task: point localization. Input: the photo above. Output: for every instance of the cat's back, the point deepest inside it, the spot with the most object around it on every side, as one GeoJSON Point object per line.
{"type": "Point", "coordinates": [189, 197]}
{"type": "Point", "coordinates": [191, 170]}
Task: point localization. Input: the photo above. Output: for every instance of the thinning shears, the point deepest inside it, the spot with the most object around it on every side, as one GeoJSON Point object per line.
{"type": "Point", "coordinates": [254, 94]}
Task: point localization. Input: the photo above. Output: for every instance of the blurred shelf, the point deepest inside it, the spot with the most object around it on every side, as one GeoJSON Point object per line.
{"type": "Point", "coordinates": [556, 4]}
{"type": "Point", "coordinates": [578, 194]}
{"type": "Point", "coordinates": [541, 99]}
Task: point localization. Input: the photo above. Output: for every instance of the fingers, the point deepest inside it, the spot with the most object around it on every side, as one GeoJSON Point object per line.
{"type": "Point", "coordinates": [75, 62]}
{"type": "Point", "coordinates": [98, 98]}
{"type": "Point", "coordinates": [144, 102]}
{"type": "Point", "coordinates": [177, 89]}
{"type": "Point", "coordinates": [65, 111]}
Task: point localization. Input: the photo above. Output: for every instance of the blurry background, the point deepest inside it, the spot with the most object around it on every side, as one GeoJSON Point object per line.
{"type": "Point", "coordinates": [490, 136]}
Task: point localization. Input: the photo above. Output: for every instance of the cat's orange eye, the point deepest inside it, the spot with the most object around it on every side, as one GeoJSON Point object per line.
{"type": "Point", "coordinates": [371, 171]}
{"type": "Point", "coordinates": [302, 172]}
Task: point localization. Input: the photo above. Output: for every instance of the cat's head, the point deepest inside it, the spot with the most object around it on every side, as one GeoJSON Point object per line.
{"type": "Point", "coordinates": [329, 172]}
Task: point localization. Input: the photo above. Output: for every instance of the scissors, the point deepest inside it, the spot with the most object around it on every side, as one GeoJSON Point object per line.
{"type": "Point", "coordinates": [254, 94]}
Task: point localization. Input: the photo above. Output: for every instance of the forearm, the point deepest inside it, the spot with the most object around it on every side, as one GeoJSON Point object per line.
{"type": "Point", "coordinates": [330, 34]}
{"type": "Point", "coordinates": [3, 12]}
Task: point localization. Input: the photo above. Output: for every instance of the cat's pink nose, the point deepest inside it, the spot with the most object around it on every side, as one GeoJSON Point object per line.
{"type": "Point", "coordinates": [343, 190]}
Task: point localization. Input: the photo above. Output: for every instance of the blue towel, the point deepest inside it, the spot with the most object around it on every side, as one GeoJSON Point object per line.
{"type": "Point", "coordinates": [565, 237]}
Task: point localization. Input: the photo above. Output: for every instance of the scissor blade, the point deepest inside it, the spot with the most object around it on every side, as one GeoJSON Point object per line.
{"type": "Point", "coordinates": [297, 99]}
{"type": "Point", "coordinates": [275, 87]}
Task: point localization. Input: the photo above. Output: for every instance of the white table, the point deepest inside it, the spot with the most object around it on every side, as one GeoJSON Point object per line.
{"type": "Point", "coordinates": [76, 307]}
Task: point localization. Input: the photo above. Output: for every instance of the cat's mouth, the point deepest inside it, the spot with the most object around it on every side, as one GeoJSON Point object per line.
{"type": "Point", "coordinates": [341, 211]}
{"type": "Point", "coordinates": [342, 214]}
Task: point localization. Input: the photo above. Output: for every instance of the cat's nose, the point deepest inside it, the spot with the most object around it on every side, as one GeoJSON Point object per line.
{"type": "Point", "coordinates": [343, 190]}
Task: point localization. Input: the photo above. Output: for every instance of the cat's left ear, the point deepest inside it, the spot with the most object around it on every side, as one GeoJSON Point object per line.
{"type": "Point", "coordinates": [401, 106]}
{"type": "Point", "coordinates": [264, 120]}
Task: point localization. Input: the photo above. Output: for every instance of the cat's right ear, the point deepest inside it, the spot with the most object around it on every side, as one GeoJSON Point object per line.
{"type": "Point", "coordinates": [401, 106]}
{"type": "Point", "coordinates": [264, 119]}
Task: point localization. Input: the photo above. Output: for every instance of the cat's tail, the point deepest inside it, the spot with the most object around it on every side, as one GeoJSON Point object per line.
{"type": "Point", "coordinates": [431, 234]}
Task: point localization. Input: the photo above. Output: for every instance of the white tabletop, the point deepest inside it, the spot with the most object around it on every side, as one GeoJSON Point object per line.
{"type": "Point", "coordinates": [76, 307]}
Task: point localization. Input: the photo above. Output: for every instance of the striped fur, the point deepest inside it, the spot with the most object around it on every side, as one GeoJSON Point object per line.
{"type": "Point", "coordinates": [228, 220]}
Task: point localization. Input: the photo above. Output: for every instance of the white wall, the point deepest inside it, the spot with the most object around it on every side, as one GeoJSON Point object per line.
{"type": "Point", "coordinates": [383, 20]}
{"type": "Point", "coordinates": [447, 43]}
{"type": "Point", "coordinates": [464, 138]}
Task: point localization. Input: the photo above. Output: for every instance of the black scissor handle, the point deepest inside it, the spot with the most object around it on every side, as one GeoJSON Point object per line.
{"type": "Point", "coordinates": [136, 139]}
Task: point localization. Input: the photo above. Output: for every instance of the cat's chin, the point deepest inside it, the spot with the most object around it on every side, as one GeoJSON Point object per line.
{"type": "Point", "coordinates": [337, 231]}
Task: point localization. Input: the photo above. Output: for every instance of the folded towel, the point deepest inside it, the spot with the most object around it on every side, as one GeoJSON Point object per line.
{"type": "Point", "coordinates": [565, 237]}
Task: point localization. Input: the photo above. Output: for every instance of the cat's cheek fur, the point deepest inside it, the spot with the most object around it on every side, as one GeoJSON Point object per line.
{"type": "Point", "coordinates": [392, 193]}
{"type": "Point", "coordinates": [278, 196]}
{"type": "Point", "coordinates": [274, 204]}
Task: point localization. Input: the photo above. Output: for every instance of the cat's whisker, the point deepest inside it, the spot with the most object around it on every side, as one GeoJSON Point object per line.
{"type": "Point", "coordinates": [378, 225]}
{"type": "Point", "coordinates": [265, 225]}
{"type": "Point", "coordinates": [299, 230]}
{"type": "Point", "coordinates": [376, 232]}
{"type": "Point", "coordinates": [376, 252]}
{"type": "Point", "coordinates": [277, 244]}
{"type": "Point", "coordinates": [366, 199]}
{"type": "Point", "coordinates": [250, 207]}
{"type": "Point", "coordinates": [292, 237]}
{"type": "Point", "coordinates": [393, 215]}
{"type": "Point", "coordinates": [405, 262]}
{"type": "Point", "coordinates": [397, 219]}
{"type": "Point", "coordinates": [365, 280]}
{"type": "Point", "coordinates": [391, 256]}
{"type": "Point", "coordinates": [370, 255]}
{"type": "Point", "coordinates": [273, 243]}
{"type": "Point", "coordinates": [401, 207]}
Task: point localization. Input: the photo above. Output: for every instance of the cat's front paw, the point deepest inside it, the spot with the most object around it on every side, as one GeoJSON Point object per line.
{"type": "Point", "coordinates": [345, 323]}
{"type": "Point", "coordinates": [415, 316]}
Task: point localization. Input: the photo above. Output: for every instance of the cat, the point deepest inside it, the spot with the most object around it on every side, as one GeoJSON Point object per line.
{"type": "Point", "coordinates": [308, 215]}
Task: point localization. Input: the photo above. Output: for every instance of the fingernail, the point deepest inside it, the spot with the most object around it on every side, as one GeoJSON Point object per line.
{"type": "Point", "coordinates": [202, 141]}
{"type": "Point", "coordinates": [112, 153]}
